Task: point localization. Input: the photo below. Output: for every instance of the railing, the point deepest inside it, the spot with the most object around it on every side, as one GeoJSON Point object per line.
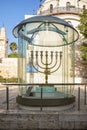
{"type": "Point", "coordinates": [9, 92]}
{"type": "Point", "coordinates": [61, 10]}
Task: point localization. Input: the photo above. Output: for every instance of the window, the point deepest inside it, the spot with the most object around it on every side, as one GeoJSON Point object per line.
{"type": "Point", "coordinates": [68, 6]}
{"type": "Point", "coordinates": [51, 8]}
{"type": "Point", "coordinates": [84, 7]}
{"type": "Point", "coordinates": [0, 60]}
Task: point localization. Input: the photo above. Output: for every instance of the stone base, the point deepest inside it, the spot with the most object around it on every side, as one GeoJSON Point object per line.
{"type": "Point", "coordinates": [19, 120]}
{"type": "Point", "coordinates": [45, 102]}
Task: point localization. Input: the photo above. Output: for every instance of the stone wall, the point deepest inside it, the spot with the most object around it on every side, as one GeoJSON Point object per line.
{"type": "Point", "coordinates": [15, 120]}
{"type": "Point", "coordinates": [8, 67]}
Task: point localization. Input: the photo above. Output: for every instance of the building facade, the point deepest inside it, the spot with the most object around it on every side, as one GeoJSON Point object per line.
{"type": "Point", "coordinates": [66, 9]}
{"type": "Point", "coordinates": [69, 11]}
{"type": "Point", "coordinates": [8, 66]}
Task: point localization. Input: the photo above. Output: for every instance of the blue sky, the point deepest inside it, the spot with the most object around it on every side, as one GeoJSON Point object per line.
{"type": "Point", "coordinates": [12, 12]}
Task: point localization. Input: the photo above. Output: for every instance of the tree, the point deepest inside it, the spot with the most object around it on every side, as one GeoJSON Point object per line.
{"type": "Point", "coordinates": [13, 46]}
{"type": "Point", "coordinates": [83, 23]}
{"type": "Point", "coordinates": [82, 27]}
{"type": "Point", "coordinates": [13, 55]}
{"type": "Point", "coordinates": [83, 49]}
{"type": "Point", "coordinates": [83, 30]}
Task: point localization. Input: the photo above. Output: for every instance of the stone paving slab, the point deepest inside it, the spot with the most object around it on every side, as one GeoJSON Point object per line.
{"type": "Point", "coordinates": [27, 120]}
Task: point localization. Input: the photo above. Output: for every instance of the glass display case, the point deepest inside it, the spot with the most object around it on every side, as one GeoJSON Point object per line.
{"type": "Point", "coordinates": [46, 61]}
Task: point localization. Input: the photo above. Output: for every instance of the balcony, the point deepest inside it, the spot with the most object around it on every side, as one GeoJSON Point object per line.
{"type": "Point", "coordinates": [61, 10]}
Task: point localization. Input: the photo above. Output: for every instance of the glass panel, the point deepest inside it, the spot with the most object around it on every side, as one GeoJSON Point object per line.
{"type": "Point", "coordinates": [28, 74]}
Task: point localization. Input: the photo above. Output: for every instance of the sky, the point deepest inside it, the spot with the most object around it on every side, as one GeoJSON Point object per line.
{"type": "Point", "coordinates": [12, 12]}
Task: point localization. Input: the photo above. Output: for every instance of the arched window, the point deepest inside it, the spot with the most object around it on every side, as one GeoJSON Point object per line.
{"type": "Point", "coordinates": [68, 6]}
{"type": "Point", "coordinates": [51, 8]}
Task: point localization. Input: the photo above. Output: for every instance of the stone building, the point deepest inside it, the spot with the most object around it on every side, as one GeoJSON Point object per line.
{"type": "Point", "coordinates": [65, 9]}
{"type": "Point", "coordinates": [3, 43]}
{"type": "Point", "coordinates": [69, 11]}
{"type": "Point", "coordinates": [8, 66]}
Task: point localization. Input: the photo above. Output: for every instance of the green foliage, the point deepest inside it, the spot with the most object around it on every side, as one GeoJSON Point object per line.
{"type": "Point", "coordinates": [2, 79]}
{"type": "Point", "coordinates": [12, 80]}
{"type": "Point", "coordinates": [8, 80]}
{"type": "Point", "coordinates": [83, 49]}
{"type": "Point", "coordinates": [83, 23]}
{"type": "Point", "coordinates": [83, 30]}
{"type": "Point", "coordinates": [13, 55]}
{"type": "Point", "coordinates": [13, 46]}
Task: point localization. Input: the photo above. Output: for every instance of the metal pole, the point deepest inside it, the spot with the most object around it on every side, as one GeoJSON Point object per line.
{"type": "Point", "coordinates": [41, 99]}
{"type": "Point", "coordinates": [78, 98]}
{"type": "Point", "coordinates": [85, 96]}
{"type": "Point", "coordinates": [7, 97]}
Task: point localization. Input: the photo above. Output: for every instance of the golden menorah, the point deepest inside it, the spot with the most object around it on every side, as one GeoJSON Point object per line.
{"type": "Point", "coordinates": [46, 66]}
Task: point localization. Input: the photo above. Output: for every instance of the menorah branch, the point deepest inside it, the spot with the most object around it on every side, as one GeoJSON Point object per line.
{"type": "Point", "coordinates": [44, 65]}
